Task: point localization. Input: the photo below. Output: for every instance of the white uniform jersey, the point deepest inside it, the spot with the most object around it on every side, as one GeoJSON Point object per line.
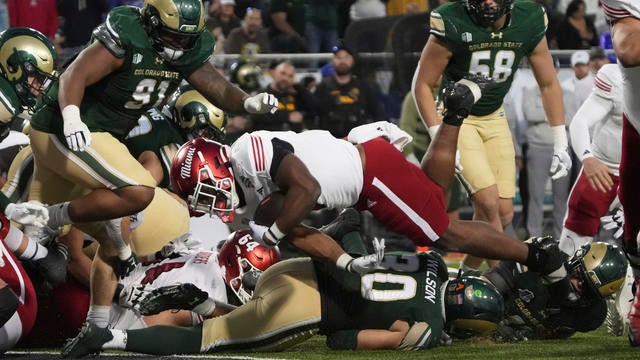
{"type": "Point", "coordinates": [606, 141]}
{"type": "Point", "coordinates": [334, 163]}
{"type": "Point", "coordinates": [618, 9]}
{"type": "Point", "coordinates": [199, 267]}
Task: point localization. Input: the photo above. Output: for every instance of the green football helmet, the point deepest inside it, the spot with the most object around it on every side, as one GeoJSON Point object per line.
{"type": "Point", "coordinates": [247, 74]}
{"type": "Point", "coordinates": [195, 115]}
{"type": "Point", "coordinates": [28, 60]}
{"type": "Point", "coordinates": [600, 266]}
{"type": "Point", "coordinates": [487, 15]}
{"type": "Point", "coordinates": [472, 307]}
{"type": "Point", "coordinates": [173, 25]}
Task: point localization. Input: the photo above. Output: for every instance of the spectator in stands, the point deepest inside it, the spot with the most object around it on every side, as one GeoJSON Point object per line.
{"type": "Point", "coordinates": [288, 23]}
{"type": "Point", "coordinates": [321, 28]}
{"type": "Point", "coordinates": [41, 15]}
{"type": "Point", "coordinates": [79, 18]}
{"type": "Point", "coordinates": [555, 19]}
{"type": "Point", "coordinates": [294, 105]}
{"type": "Point", "coordinates": [597, 59]}
{"type": "Point", "coordinates": [250, 38]}
{"type": "Point", "coordinates": [343, 101]}
{"type": "Point", "coordinates": [221, 20]}
{"type": "Point", "coordinates": [577, 31]}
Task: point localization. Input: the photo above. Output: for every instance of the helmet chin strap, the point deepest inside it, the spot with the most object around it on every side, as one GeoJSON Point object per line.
{"type": "Point", "coordinates": [170, 54]}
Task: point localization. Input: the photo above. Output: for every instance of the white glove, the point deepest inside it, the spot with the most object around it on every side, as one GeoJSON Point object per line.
{"type": "Point", "coordinates": [614, 221]}
{"type": "Point", "coordinates": [75, 131]}
{"type": "Point", "coordinates": [261, 104]}
{"type": "Point", "coordinates": [368, 263]}
{"type": "Point", "coordinates": [28, 213]}
{"type": "Point", "coordinates": [258, 232]}
{"type": "Point", "coordinates": [561, 163]}
{"type": "Point", "coordinates": [131, 296]}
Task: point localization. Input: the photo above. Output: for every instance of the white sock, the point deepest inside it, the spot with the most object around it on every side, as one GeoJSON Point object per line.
{"type": "Point", "coordinates": [571, 241]}
{"type": "Point", "coordinates": [34, 251]}
{"type": "Point", "coordinates": [99, 315]}
{"type": "Point", "coordinates": [119, 341]}
{"type": "Point", "coordinates": [13, 238]}
{"type": "Point", "coordinates": [59, 215]}
{"type": "Point", "coordinates": [206, 308]}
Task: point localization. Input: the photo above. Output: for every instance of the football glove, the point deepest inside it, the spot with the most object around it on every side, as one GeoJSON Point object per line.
{"type": "Point", "coordinates": [28, 213]}
{"type": "Point", "coordinates": [561, 163]}
{"type": "Point", "coordinates": [261, 104]}
{"type": "Point", "coordinates": [75, 131]}
{"type": "Point", "coordinates": [368, 263]}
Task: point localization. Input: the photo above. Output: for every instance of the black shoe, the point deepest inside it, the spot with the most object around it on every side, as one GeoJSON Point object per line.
{"type": "Point", "coordinates": [347, 221]}
{"type": "Point", "coordinates": [123, 267]}
{"type": "Point", "coordinates": [183, 296]}
{"type": "Point", "coordinates": [88, 341]}
{"type": "Point", "coordinates": [53, 267]}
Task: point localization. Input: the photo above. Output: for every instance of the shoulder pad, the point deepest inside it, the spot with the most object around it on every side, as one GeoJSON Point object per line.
{"type": "Point", "coordinates": [109, 39]}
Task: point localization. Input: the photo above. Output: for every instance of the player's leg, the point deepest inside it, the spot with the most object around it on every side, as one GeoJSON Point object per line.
{"type": "Point", "coordinates": [121, 186]}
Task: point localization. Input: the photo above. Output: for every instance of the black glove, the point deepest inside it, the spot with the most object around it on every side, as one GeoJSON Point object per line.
{"type": "Point", "coordinates": [123, 267]}
{"type": "Point", "coordinates": [458, 97]}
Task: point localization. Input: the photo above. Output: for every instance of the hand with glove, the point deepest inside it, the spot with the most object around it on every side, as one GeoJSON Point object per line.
{"type": "Point", "coordinates": [75, 131]}
{"type": "Point", "coordinates": [261, 104]}
{"type": "Point", "coordinates": [28, 213]}
{"type": "Point", "coordinates": [561, 163]}
{"type": "Point", "coordinates": [459, 97]}
{"type": "Point", "coordinates": [363, 264]}
{"type": "Point", "coordinates": [614, 221]}
{"type": "Point", "coordinates": [268, 236]}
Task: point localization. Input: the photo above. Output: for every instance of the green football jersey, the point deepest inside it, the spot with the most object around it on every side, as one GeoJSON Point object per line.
{"type": "Point", "coordinates": [115, 103]}
{"type": "Point", "coordinates": [155, 133]}
{"type": "Point", "coordinates": [410, 289]}
{"type": "Point", "coordinates": [9, 98]}
{"type": "Point", "coordinates": [495, 54]}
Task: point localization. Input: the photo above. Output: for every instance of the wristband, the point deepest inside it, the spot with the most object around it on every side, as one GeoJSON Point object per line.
{"type": "Point", "coordinates": [274, 235]}
{"type": "Point", "coordinates": [71, 112]}
{"type": "Point", "coordinates": [559, 136]}
{"type": "Point", "coordinates": [344, 262]}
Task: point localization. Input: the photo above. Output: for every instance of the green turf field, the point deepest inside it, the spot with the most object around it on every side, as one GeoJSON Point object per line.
{"type": "Point", "coordinates": [594, 345]}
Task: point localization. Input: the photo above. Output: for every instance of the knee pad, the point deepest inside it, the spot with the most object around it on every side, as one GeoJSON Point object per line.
{"type": "Point", "coordinates": [8, 304]}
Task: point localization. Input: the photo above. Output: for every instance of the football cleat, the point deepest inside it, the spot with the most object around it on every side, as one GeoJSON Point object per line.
{"type": "Point", "coordinates": [43, 235]}
{"type": "Point", "coordinates": [123, 267]}
{"type": "Point", "coordinates": [53, 267]}
{"type": "Point", "coordinates": [183, 296]}
{"type": "Point", "coordinates": [347, 221]}
{"type": "Point", "coordinates": [614, 320]}
{"type": "Point", "coordinates": [88, 341]}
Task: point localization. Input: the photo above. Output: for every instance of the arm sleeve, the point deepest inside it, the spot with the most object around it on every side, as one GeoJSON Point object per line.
{"type": "Point", "coordinates": [594, 109]}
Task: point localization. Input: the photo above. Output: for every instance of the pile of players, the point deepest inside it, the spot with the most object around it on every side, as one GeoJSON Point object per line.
{"type": "Point", "coordinates": [103, 153]}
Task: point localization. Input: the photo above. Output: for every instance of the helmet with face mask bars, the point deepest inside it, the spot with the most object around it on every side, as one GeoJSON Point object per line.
{"type": "Point", "coordinates": [173, 25]}
{"type": "Point", "coordinates": [486, 15]}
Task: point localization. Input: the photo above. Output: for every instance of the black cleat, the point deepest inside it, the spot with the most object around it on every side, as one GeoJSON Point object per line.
{"type": "Point", "coordinates": [183, 296]}
{"type": "Point", "coordinates": [123, 267]}
{"type": "Point", "coordinates": [53, 267]}
{"type": "Point", "coordinates": [347, 221]}
{"type": "Point", "coordinates": [88, 341]}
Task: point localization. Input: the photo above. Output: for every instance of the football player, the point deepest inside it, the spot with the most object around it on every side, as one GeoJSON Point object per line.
{"type": "Point", "coordinates": [597, 184]}
{"type": "Point", "coordinates": [27, 66]}
{"type": "Point", "coordinates": [137, 57]}
{"type": "Point", "coordinates": [159, 134]}
{"type": "Point", "coordinates": [534, 311]}
{"type": "Point", "coordinates": [625, 34]}
{"type": "Point", "coordinates": [490, 37]}
{"type": "Point", "coordinates": [316, 169]}
{"type": "Point", "coordinates": [403, 307]}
